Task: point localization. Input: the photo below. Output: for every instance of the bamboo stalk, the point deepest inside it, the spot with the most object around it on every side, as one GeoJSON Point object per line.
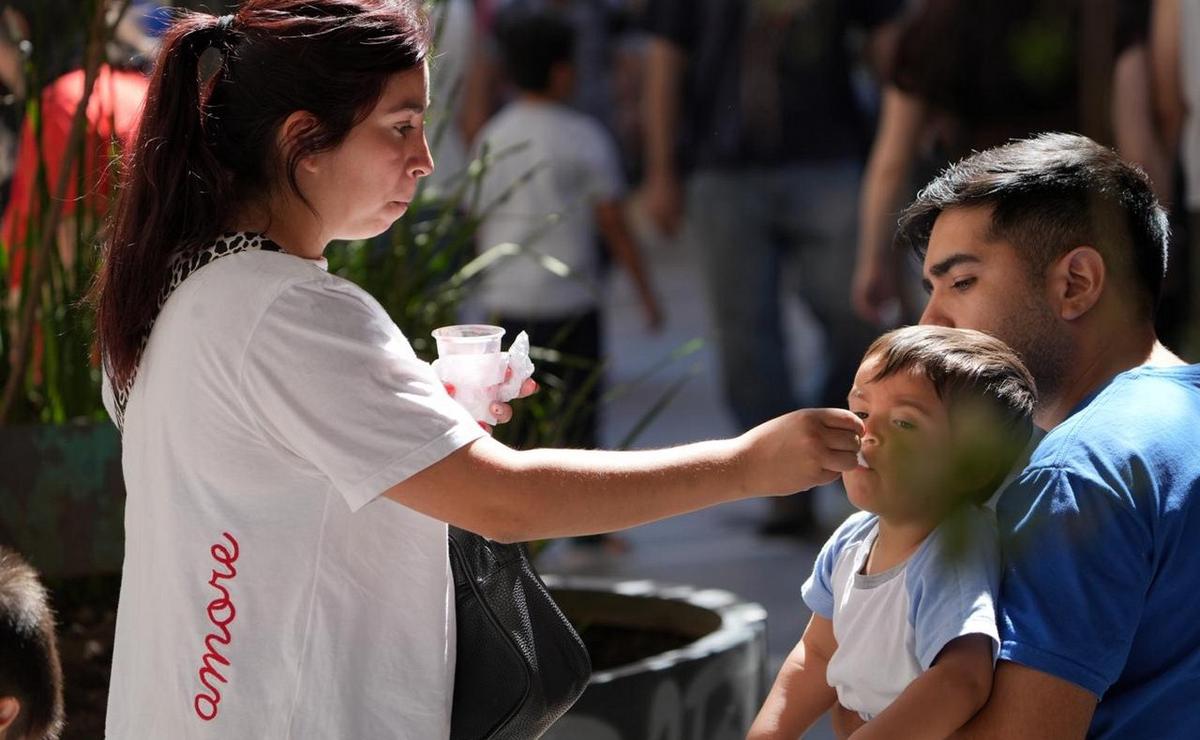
{"type": "Point", "coordinates": [98, 34]}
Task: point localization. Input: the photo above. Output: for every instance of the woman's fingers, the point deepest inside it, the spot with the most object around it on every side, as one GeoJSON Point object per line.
{"type": "Point", "coordinates": [502, 411]}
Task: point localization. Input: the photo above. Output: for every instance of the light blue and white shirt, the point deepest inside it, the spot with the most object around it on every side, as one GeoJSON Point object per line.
{"type": "Point", "coordinates": [891, 626]}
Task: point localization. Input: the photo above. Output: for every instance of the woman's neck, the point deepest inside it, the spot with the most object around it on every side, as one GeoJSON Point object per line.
{"type": "Point", "coordinates": [286, 222]}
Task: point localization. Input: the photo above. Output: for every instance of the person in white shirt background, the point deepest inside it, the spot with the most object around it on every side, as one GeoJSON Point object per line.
{"type": "Point", "coordinates": [551, 183]}
{"type": "Point", "coordinates": [290, 464]}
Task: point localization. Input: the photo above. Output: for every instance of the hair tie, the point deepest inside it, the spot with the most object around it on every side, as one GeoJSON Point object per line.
{"type": "Point", "coordinates": [224, 23]}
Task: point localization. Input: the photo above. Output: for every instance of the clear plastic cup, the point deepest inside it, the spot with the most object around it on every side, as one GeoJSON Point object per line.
{"type": "Point", "coordinates": [469, 359]}
{"type": "Point", "coordinates": [468, 339]}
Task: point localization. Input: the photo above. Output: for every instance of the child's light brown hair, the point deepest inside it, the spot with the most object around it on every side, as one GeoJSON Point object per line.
{"type": "Point", "coordinates": [989, 395]}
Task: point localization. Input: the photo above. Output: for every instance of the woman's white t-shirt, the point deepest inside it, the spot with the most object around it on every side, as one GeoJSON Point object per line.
{"type": "Point", "coordinates": [268, 590]}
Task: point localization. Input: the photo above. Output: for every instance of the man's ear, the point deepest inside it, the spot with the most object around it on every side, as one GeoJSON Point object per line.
{"type": "Point", "coordinates": [296, 126]}
{"type": "Point", "coordinates": [10, 708]}
{"type": "Point", "coordinates": [1075, 282]}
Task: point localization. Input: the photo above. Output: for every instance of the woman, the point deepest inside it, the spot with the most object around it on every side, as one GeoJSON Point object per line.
{"type": "Point", "coordinates": [290, 464]}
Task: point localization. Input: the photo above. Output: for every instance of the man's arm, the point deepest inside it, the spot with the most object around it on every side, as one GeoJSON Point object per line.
{"type": "Point", "coordinates": [1030, 704]}
{"type": "Point", "coordinates": [1133, 119]}
{"type": "Point", "coordinates": [1169, 106]}
{"type": "Point", "coordinates": [511, 496]}
{"type": "Point", "coordinates": [610, 218]}
{"type": "Point", "coordinates": [891, 159]}
{"type": "Point", "coordinates": [941, 699]}
{"type": "Point", "coordinates": [801, 693]}
{"type": "Point", "coordinates": [662, 191]}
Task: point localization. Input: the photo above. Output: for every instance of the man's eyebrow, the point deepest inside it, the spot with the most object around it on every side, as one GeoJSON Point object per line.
{"type": "Point", "coordinates": [958, 258]}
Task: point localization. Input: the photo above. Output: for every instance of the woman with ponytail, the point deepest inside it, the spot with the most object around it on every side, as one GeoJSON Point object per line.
{"type": "Point", "coordinates": [290, 464]}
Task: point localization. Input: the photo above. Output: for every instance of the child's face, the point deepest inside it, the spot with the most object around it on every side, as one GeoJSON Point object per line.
{"type": "Point", "coordinates": [906, 445]}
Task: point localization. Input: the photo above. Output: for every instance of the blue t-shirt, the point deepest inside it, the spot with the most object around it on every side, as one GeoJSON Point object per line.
{"type": "Point", "coordinates": [1101, 543]}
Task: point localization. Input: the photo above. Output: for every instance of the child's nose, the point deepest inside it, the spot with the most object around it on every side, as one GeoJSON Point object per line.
{"type": "Point", "coordinates": [871, 434]}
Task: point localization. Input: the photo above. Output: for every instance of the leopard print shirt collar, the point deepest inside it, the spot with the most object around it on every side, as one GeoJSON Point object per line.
{"type": "Point", "coordinates": [182, 265]}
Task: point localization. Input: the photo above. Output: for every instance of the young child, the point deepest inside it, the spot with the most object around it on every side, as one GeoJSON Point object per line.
{"type": "Point", "coordinates": [551, 184]}
{"type": "Point", "coordinates": [903, 630]}
{"type": "Point", "coordinates": [31, 705]}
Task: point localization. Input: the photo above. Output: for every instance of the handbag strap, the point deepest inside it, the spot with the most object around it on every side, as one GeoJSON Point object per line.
{"type": "Point", "coordinates": [182, 265]}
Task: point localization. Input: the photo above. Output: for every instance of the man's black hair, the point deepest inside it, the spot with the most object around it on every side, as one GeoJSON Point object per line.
{"type": "Point", "coordinates": [1050, 194]}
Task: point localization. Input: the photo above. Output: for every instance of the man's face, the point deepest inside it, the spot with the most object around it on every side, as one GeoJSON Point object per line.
{"type": "Point", "coordinates": [979, 283]}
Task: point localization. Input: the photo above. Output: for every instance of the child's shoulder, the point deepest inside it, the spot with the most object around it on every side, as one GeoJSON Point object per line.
{"type": "Point", "coordinates": [857, 527]}
{"type": "Point", "coordinates": [968, 538]}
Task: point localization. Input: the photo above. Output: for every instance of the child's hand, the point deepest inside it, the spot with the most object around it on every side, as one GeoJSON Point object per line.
{"type": "Point", "coordinates": [797, 451]}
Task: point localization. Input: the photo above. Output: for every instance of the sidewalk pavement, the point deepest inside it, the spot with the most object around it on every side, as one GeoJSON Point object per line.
{"type": "Point", "coordinates": [718, 547]}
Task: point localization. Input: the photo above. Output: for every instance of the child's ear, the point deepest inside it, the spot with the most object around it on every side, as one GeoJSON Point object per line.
{"type": "Point", "coordinates": [10, 708]}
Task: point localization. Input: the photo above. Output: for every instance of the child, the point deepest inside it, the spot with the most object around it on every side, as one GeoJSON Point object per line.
{"type": "Point", "coordinates": [31, 706]}
{"type": "Point", "coordinates": [903, 630]}
{"type": "Point", "coordinates": [553, 175]}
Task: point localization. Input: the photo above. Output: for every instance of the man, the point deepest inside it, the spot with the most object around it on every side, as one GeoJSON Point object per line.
{"type": "Point", "coordinates": [752, 126]}
{"type": "Point", "coordinates": [1057, 247]}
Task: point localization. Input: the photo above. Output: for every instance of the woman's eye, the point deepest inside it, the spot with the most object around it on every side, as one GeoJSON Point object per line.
{"type": "Point", "coordinates": [963, 283]}
{"type": "Point", "coordinates": [404, 128]}
{"type": "Point", "coordinates": [906, 425]}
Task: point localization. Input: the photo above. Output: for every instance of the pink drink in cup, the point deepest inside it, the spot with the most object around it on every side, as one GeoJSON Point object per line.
{"type": "Point", "coordinates": [469, 359]}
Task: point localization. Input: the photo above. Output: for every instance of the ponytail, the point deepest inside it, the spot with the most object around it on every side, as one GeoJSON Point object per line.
{"type": "Point", "coordinates": [176, 195]}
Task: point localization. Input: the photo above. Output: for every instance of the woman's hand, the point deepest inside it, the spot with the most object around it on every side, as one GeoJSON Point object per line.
{"type": "Point", "coordinates": [800, 450]}
{"type": "Point", "coordinates": [502, 411]}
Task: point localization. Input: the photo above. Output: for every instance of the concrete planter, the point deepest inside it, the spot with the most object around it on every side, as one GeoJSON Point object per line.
{"type": "Point", "coordinates": [63, 497]}
{"type": "Point", "coordinates": [709, 688]}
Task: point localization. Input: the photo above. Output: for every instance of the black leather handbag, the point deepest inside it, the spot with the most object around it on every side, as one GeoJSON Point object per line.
{"type": "Point", "coordinates": [520, 663]}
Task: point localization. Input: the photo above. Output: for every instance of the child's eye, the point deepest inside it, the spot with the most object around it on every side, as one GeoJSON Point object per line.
{"type": "Point", "coordinates": [906, 425]}
{"type": "Point", "coordinates": [963, 284]}
{"type": "Point", "coordinates": [860, 414]}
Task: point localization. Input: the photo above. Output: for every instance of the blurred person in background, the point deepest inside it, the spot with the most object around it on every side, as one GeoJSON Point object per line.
{"type": "Point", "coordinates": [597, 25]}
{"type": "Point", "coordinates": [114, 105]}
{"type": "Point", "coordinates": [1175, 54]}
{"type": "Point", "coordinates": [552, 184]}
{"type": "Point", "coordinates": [972, 75]}
{"type": "Point", "coordinates": [754, 132]}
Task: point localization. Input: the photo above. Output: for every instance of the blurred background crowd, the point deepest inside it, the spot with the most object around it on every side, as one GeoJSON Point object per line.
{"type": "Point", "coordinates": [636, 174]}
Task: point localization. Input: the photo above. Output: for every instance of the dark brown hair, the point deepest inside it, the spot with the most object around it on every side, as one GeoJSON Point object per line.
{"type": "Point", "coordinates": [29, 666]}
{"type": "Point", "coordinates": [204, 146]}
{"type": "Point", "coordinates": [971, 372]}
{"type": "Point", "coordinates": [1050, 194]}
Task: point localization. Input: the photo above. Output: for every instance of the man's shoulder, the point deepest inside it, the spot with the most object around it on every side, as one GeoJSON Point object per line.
{"type": "Point", "coordinates": [1140, 411]}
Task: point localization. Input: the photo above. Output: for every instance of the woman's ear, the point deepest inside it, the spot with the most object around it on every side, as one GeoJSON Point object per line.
{"type": "Point", "coordinates": [1076, 281]}
{"type": "Point", "coordinates": [295, 128]}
